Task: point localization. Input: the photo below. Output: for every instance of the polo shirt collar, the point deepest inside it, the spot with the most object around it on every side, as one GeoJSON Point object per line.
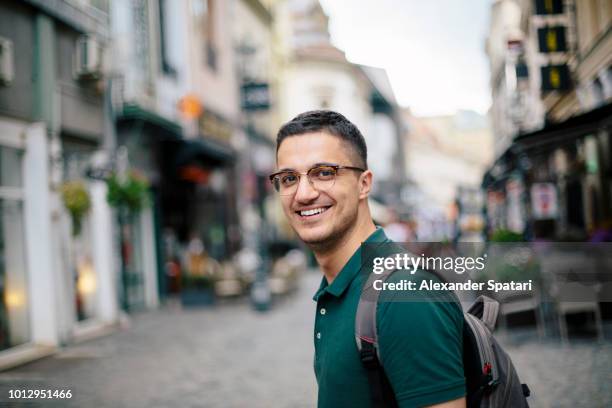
{"type": "Point", "coordinates": [350, 269]}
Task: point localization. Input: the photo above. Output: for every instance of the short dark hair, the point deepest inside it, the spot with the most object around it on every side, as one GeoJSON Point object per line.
{"type": "Point", "coordinates": [331, 122]}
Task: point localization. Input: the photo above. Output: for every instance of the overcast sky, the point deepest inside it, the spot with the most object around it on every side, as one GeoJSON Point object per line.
{"type": "Point", "coordinates": [433, 51]}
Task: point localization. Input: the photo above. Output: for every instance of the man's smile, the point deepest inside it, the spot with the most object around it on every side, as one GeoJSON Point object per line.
{"type": "Point", "coordinates": [312, 213]}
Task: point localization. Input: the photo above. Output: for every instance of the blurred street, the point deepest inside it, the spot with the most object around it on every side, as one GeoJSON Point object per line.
{"type": "Point", "coordinates": [231, 356]}
{"type": "Point", "coordinates": [544, 367]}
{"type": "Point", "coordinates": [228, 356]}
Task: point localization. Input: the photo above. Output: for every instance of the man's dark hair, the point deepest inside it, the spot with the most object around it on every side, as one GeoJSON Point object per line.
{"type": "Point", "coordinates": [330, 122]}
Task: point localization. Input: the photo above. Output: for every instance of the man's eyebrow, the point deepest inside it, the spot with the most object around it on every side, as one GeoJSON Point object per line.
{"type": "Point", "coordinates": [311, 167]}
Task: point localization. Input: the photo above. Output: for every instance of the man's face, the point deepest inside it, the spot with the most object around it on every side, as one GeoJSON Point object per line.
{"type": "Point", "coordinates": [340, 202]}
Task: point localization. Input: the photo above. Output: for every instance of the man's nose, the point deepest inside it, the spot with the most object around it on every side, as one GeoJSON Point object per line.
{"type": "Point", "coordinates": [305, 190]}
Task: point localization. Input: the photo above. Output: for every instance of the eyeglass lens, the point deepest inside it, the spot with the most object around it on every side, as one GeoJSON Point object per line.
{"type": "Point", "coordinates": [321, 178]}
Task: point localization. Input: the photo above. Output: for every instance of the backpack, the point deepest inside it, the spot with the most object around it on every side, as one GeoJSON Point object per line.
{"type": "Point", "coordinates": [491, 379]}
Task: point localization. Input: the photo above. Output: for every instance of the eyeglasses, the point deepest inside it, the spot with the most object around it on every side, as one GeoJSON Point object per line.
{"type": "Point", "coordinates": [320, 177]}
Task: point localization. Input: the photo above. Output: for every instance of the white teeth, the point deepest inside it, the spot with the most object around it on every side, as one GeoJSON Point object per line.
{"type": "Point", "coordinates": [312, 212]}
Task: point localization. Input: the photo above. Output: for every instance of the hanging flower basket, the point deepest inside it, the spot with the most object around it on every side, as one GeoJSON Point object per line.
{"type": "Point", "coordinates": [77, 201]}
{"type": "Point", "coordinates": [131, 194]}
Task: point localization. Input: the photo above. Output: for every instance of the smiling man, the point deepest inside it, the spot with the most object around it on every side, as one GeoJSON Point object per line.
{"type": "Point", "coordinates": [324, 182]}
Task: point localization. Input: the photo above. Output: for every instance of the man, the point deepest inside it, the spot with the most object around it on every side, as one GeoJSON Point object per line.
{"type": "Point", "coordinates": [323, 181]}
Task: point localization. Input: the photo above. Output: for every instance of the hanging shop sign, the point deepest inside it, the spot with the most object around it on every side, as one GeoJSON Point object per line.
{"type": "Point", "coordinates": [552, 39]}
{"type": "Point", "coordinates": [255, 96]}
{"type": "Point", "coordinates": [190, 107]}
{"type": "Point", "coordinates": [514, 211]}
{"type": "Point", "coordinates": [522, 71]}
{"type": "Point", "coordinates": [591, 154]}
{"type": "Point", "coordinates": [555, 78]}
{"type": "Point", "coordinates": [544, 204]}
{"type": "Point", "coordinates": [213, 126]}
{"type": "Point", "coordinates": [547, 7]}
{"type": "Point", "coordinates": [194, 174]}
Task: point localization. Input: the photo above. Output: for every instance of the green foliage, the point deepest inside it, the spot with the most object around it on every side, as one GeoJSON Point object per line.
{"type": "Point", "coordinates": [77, 201]}
{"type": "Point", "coordinates": [131, 194]}
{"type": "Point", "coordinates": [503, 235]}
{"type": "Point", "coordinates": [197, 282]}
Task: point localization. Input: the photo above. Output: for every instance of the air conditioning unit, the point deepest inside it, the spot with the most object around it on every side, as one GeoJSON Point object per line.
{"type": "Point", "coordinates": [7, 67]}
{"type": "Point", "coordinates": [88, 58]}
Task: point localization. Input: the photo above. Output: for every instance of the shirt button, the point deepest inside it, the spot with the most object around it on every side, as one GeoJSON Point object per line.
{"type": "Point", "coordinates": [318, 335]}
{"type": "Point", "coordinates": [323, 311]}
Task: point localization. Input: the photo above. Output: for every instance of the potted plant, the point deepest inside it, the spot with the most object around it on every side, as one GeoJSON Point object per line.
{"type": "Point", "coordinates": [197, 290]}
{"type": "Point", "coordinates": [77, 201]}
{"type": "Point", "coordinates": [130, 194]}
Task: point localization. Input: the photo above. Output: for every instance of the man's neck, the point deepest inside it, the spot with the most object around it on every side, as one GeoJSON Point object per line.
{"type": "Point", "coordinates": [333, 259]}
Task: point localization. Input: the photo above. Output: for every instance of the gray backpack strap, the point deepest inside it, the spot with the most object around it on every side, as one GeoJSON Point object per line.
{"type": "Point", "coordinates": [366, 336]}
{"type": "Point", "coordinates": [485, 309]}
{"type": "Point", "coordinates": [365, 319]}
{"type": "Point", "coordinates": [499, 384]}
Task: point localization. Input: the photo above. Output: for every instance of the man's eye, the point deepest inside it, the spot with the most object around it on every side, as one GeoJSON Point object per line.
{"type": "Point", "coordinates": [325, 173]}
{"type": "Point", "coordinates": [288, 179]}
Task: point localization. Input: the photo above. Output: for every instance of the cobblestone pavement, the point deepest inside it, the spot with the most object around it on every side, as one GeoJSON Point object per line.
{"type": "Point", "coordinates": [577, 375]}
{"type": "Point", "coordinates": [227, 356]}
{"type": "Point", "coordinates": [231, 356]}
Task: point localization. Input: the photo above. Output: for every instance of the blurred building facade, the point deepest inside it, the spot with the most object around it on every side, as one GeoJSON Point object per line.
{"type": "Point", "coordinates": [516, 104]}
{"type": "Point", "coordinates": [445, 155]}
{"type": "Point", "coordinates": [551, 80]}
{"type": "Point", "coordinates": [57, 272]}
{"type": "Point", "coordinates": [254, 47]}
{"type": "Point", "coordinates": [127, 90]}
{"type": "Point", "coordinates": [317, 75]}
{"type": "Point", "coordinates": [133, 131]}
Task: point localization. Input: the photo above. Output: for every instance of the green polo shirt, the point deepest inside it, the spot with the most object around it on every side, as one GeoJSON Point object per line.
{"type": "Point", "coordinates": [420, 343]}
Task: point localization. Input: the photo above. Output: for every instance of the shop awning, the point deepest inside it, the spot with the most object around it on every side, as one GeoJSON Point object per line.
{"type": "Point", "coordinates": [548, 138]}
{"type": "Point", "coordinates": [203, 151]}
{"type": "Point", "coordinates": [570, 129]}
{"type": "Point", "coordinates": [162, 127]}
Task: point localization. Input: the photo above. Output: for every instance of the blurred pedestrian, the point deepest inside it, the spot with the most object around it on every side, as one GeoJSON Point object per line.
{"type": "Point", "coordinates": [398, 231]}
{"type": "Point", "coordinates": [324, 182]}
{"type": "Point", "coordinates": [196, 257]}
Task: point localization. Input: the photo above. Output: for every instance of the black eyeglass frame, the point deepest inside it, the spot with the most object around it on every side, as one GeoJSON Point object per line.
{"type": "Point", "coordinates": [336, 167]}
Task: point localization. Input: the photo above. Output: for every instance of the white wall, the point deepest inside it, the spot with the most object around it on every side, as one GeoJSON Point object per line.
{"type": "Point", "coordinates": [310, 82]}
{"type": "Point", "coordinates": [382, 144]}
{"type": "Point", "coordinates": [216, 88]}
{"type": "Point", "coordinates": [439, 174]}
{"type": "Point", "coordinates": [252, 30]}
{"type": "Point", "coordinates": [130, 53]}
{"type": "Point", "coordinates": [107, 308]}
{"type": "Point", "coordinates": [38, 207]}
{"type": "Point", "coordinates": [171, 89]}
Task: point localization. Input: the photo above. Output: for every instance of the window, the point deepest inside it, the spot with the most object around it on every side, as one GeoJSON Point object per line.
{"type": "Point", "coordinates": [14, 301]}
{"type": "Point", "coordinates": [211, 43]}
{"type": "Point", "coordinates": [164, 32]}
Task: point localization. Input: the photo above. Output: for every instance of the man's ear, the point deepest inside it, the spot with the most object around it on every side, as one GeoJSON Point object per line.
{"type": "Point", "coordinates": [365, 184]}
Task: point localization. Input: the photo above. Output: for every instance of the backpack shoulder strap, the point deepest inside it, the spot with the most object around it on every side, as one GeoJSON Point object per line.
{"type": "Point", "coordinates": [366, 336]}
{"type": "Point", "coordinates": [485, 309]}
